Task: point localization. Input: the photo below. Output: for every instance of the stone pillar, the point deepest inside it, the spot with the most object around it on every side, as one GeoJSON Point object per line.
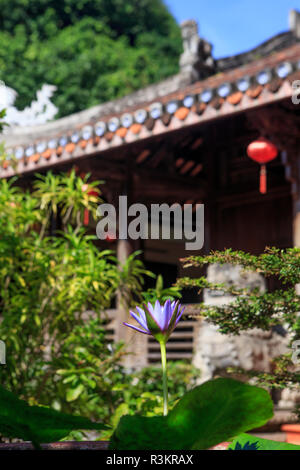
{"type": "Point", "coordinates": [296, 228]}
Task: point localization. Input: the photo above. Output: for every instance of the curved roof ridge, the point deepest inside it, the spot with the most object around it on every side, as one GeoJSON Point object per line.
{"type": "Point", "coordinates": [25, 135]}
{"type": "Point", "coordinates": [274, 44]}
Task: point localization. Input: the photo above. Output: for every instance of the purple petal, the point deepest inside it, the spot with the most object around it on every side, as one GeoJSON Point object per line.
{"type": "Point", "coordinates": [167, 313]}
{"type": "Point", "coordinates": [140, 320]}
{"type": "Point", "coordinates": [150, 308]}
{"type": "Point", "coordinates": [154, 314]}
{"type": "Point", "coordinates": [179, 315]}
{"type": "Point", "coordinates": [159, 315]}
{"type": "Point", "coordinates": [153, 318]}
{"type": "Point", "coordinates": [181, 309]}
{"type": "Point", "coordinates": [137, 329]}
{"type": "Point", "coordinates": [142, 314]}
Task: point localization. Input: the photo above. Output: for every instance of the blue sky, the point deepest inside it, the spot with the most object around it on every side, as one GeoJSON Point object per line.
{"type": "Point", "coordinates": [235, 26]}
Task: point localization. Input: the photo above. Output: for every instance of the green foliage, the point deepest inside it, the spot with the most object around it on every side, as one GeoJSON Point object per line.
{"type": "Point", "coordinates": [90, 381]}
{"type": "Point", "coordinates": [36, 423]}
{"type": "Point", "coordinates": [251, 308]}
{"type": "Point", "coordinates": [2, 125]}
{"type": "Point", "coordinates": [51, 281]}
{"type": "Point", "coordinates": [161, 293]}
{"type": "Point", "coordinates": [209, 414]}
{"type": "Point", "coordinates": [92, 50]}
{"type": "Point", "coordinates": [68, 193]}
{"type": "Point", "coordinates": [273, 262]}
{"type": "Point", "coordinates": [81, 378]}
{"type": "Point", "coordinates": [132, 279]}
{"type": "Point", "coordinates": [142, 391]}
{"type": "Point", "coordinates": [245, 441]}
{"type": "Point", "coordinates": [49, 284]}
{"type": "Point", "coordinates": [2, 116]}
{"type": "Point", "coordinates": [283, 374]}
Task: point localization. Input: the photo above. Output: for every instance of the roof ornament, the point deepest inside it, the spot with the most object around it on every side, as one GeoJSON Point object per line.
{"type": "Point", "coordinates": [40, 111]}
{"type": "Point", "coordinates": [294, 20]}
{"type": "Point", "coordinates": [196, 59]}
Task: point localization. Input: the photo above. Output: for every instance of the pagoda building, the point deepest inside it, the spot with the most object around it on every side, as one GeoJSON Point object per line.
{"type": "Point", "coordinates": [184, 140]}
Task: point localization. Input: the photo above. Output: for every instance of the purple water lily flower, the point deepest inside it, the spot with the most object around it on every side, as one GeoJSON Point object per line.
{"type": "Point", "coordinates": [158, 321]}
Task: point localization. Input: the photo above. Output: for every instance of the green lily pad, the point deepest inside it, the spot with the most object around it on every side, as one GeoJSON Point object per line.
{"type": "Point", "coordinates": [246, 440]}
{"type": "Point", "coordinates": [35, 423]}
{"type": "Point", "coordinates": [214, 412]}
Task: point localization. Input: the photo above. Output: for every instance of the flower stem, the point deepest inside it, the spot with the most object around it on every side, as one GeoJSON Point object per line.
{"type": "Point", "coordinates": [164, 370]}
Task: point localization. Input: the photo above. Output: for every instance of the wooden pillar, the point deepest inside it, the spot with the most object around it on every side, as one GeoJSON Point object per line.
{"type": "Point", "coordinates": [135, 342]}
{"type": "Point", "coordinates": [210, 202]}
{"type": "Point", "coordinates": [123, 251]}
{"type": "Point", "coordinates": [291, 163]}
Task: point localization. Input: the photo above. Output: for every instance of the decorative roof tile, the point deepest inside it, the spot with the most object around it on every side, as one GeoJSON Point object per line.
{"type": "Point", "coordinates": [47, 154]}
{"type": "Point", "coordinates": [254, 91]}
{"type": "Point", "coordinates": [274, 85]}
{"type": "Point", "coordinates": [83, 144]}
{"type": "Point", "coordinates": [217, 102]}
{"type": "Point", "coordinates": [201, 108]}
{"type": "Point", "coordinates": [136, 128]}
{"type": "Point", "coordinates": [121, 132]}
{"type": "Point", "coordinates": [182, 113]}
{"type": "Point", "coordinates": [34, 158]}
{"type": "Point", "coordinates": [235, 98]}
{"type": "Point", "coordinates": [109, 136]}
{"type": "Point", "coordinates": [70, 147]}
{"type": "Point", "coordinates": [166, 119]}
{"type": "Point", "coordinates": [59, 151]}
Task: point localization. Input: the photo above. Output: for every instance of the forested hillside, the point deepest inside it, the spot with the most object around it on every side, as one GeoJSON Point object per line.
{"type": "Point", "coordinates": [92, 50]}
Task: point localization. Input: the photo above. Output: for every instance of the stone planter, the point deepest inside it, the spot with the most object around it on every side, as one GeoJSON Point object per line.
{"type": "Point", "coordinates": [66, 445]}
{"type": "Point", "coordinates": [292, 433]}
{"type": "Point", "coordinates": [73, 445]}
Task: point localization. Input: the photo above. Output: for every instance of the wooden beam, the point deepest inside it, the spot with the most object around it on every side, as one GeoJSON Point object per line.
{"type": "Point", "coordinates": [236, 199]}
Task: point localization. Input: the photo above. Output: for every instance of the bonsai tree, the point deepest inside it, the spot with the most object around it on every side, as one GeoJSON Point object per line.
{"type": "Point", "coordinates": [251, 308]}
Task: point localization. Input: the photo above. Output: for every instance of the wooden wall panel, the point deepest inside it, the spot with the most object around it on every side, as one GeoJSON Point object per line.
{"type": "Point", "coordinates": [252, 227]}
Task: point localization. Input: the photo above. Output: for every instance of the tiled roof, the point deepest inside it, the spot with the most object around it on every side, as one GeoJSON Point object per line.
{"type": "Point", "coordinates": [258, 83]}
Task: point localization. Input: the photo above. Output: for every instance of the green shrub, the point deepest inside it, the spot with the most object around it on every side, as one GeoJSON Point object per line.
{"type": "Point", "coordinates": [251, 308]}
{"type": "Point", "coordinates": [49, 279]}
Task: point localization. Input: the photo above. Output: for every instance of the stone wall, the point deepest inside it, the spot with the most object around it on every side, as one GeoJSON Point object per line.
{"type": "Point", "coordinates": [251, 349]}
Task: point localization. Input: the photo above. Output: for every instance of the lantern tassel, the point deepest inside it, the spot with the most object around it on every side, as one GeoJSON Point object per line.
{"type": "Point", "coordinates": [263, 179]}
{"type": "Point", "coordinates": [86, 217]}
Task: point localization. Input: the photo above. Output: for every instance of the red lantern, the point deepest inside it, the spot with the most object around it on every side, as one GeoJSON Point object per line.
{"type": "Point", "coordinates": [262, 151]}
